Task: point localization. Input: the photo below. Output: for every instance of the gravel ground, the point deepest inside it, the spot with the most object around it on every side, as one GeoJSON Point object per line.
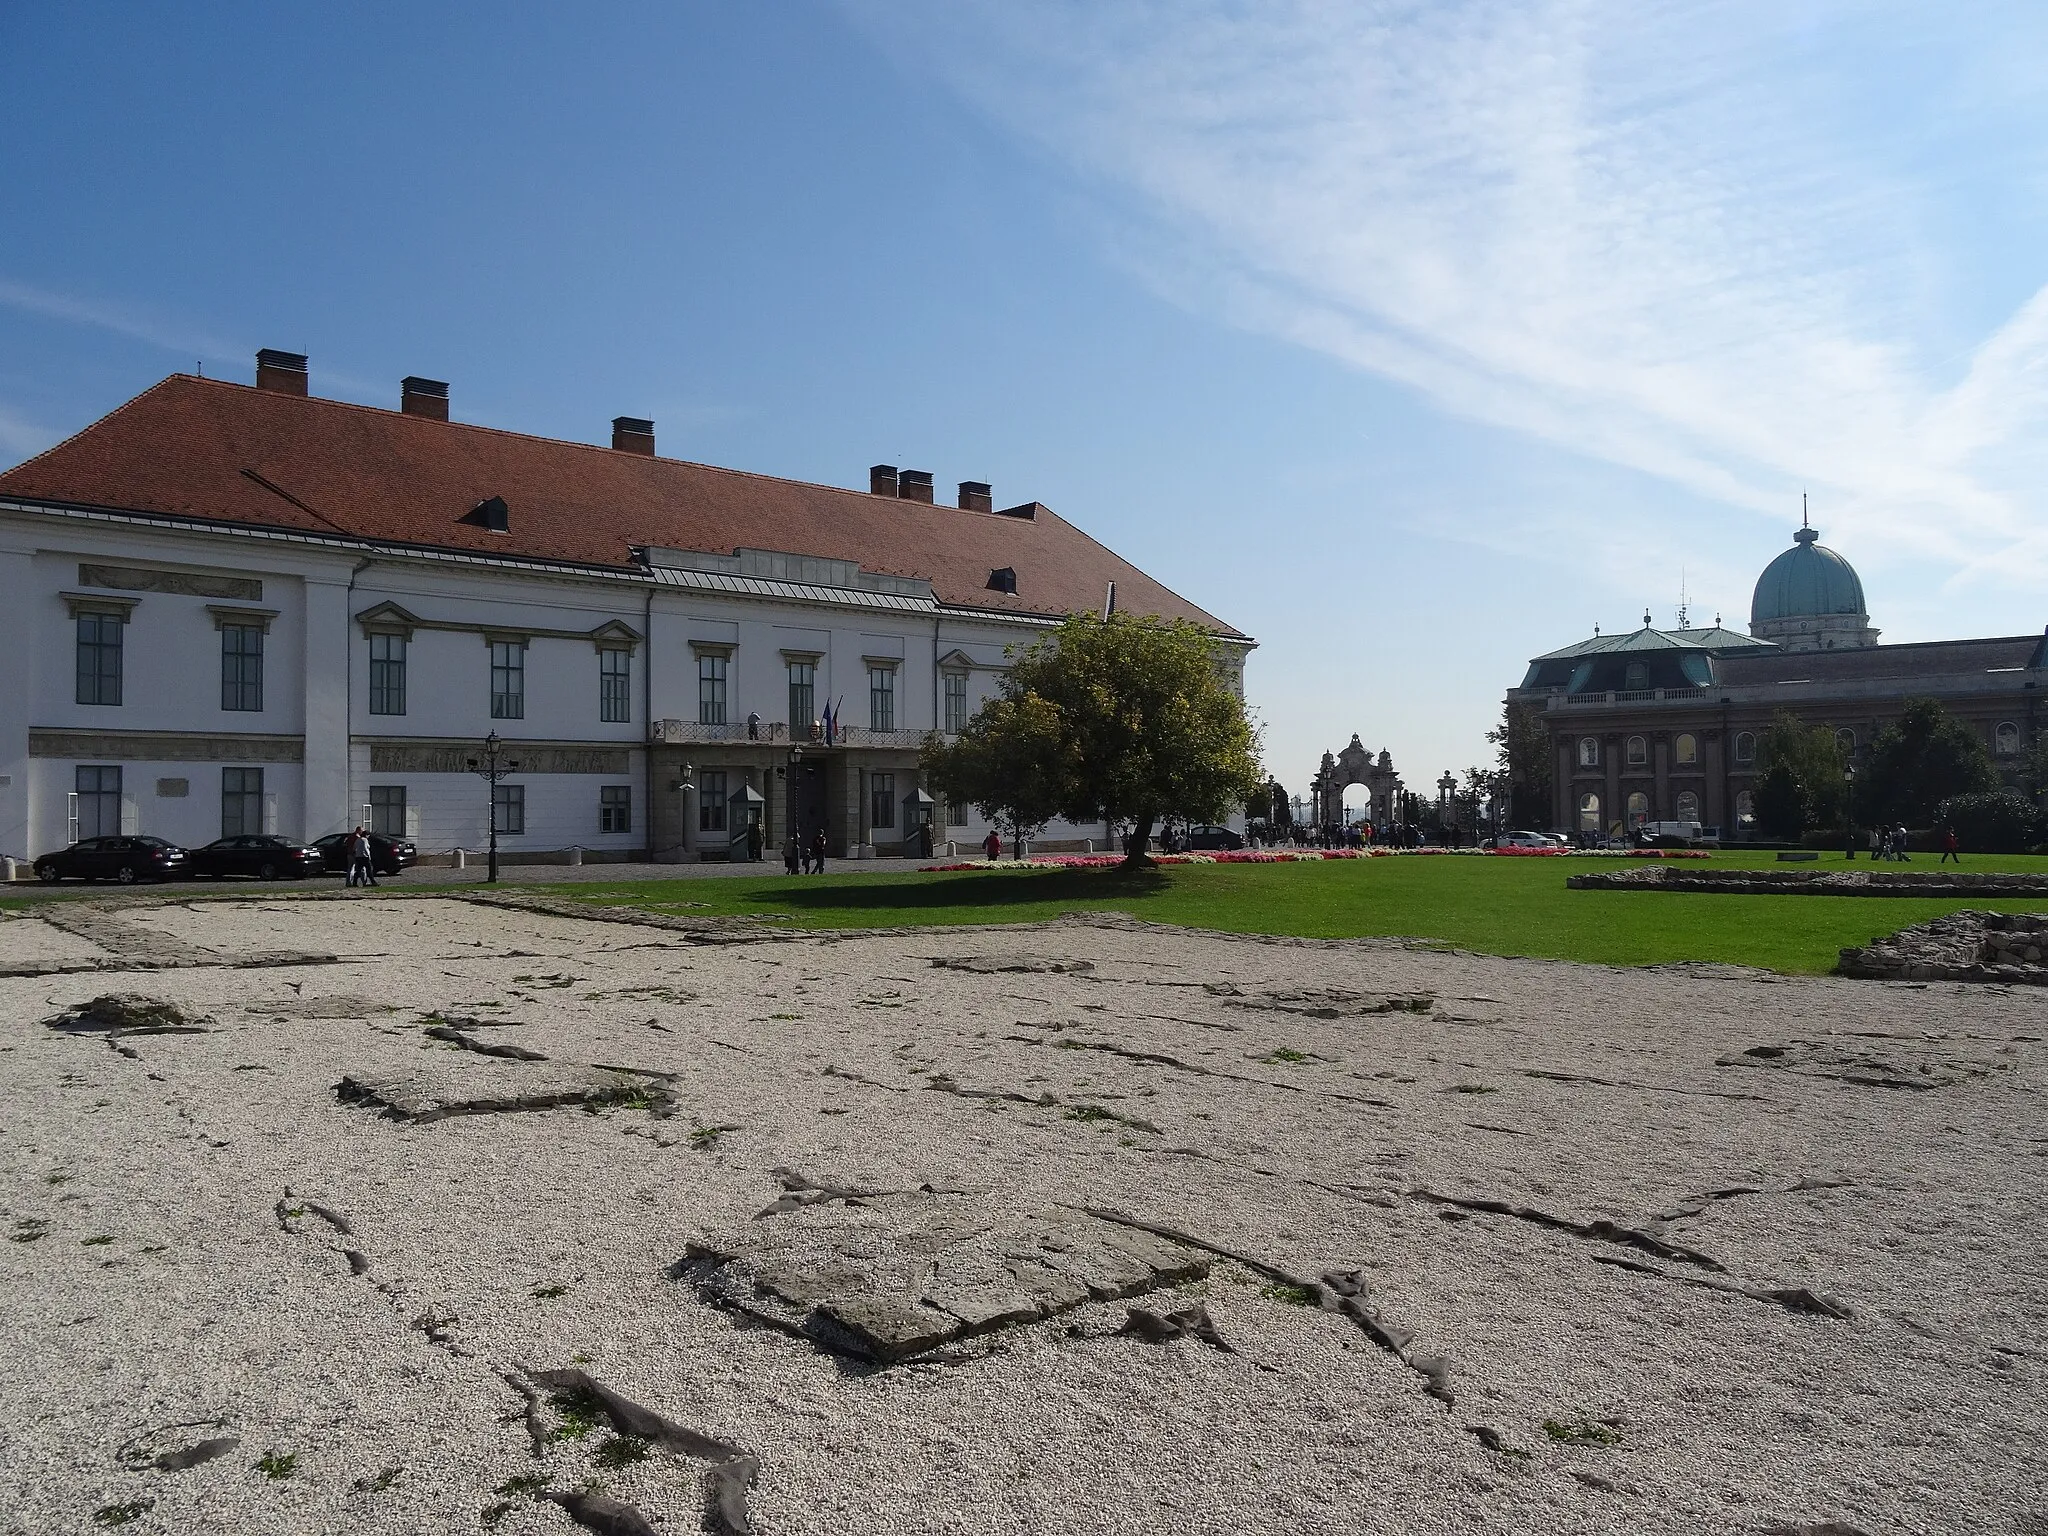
{"type": "Point", "coordinates": [179, 1271]}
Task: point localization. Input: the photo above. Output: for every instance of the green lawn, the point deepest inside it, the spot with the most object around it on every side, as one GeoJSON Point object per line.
{"type": "Point", "coordinates": [1498, 906]}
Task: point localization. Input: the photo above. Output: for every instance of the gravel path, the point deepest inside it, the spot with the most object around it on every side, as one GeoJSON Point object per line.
{"type": "Point", "coordinates": [1538, 1180]}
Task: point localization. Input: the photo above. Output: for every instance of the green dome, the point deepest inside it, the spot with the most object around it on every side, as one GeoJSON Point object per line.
{"type": "Point", "coordinates": [1806, 581]}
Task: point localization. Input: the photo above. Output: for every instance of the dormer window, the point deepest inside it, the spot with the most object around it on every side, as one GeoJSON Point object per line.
{"type": "Point", "coordinates": [1003, 579]}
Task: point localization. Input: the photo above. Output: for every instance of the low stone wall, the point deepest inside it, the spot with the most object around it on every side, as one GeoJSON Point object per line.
{"type": "Point", "coordinates": [1964, 946]}
{"type": "Point", "coordinates": [1811, 882]}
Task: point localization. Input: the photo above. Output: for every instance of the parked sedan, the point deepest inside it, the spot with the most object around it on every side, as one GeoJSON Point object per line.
{"type": "Point", "coordinates": [262, 857]}
{"type": "Point", "coordinates": [388, 855]}
{"type": "Point", "coordinates": [1210, 839]}
{"type": "Point", "coordinates": [126, 859]}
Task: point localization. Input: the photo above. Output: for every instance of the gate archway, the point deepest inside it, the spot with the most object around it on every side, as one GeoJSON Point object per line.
{"type": "Point", "coordinates": [1356, 764]}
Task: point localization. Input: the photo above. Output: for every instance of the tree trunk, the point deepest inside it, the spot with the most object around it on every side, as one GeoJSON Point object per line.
{"type": "Point", "coordinates": [1135, 856]}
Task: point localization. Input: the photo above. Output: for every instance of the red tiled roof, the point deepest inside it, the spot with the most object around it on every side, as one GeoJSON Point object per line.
{"type": "Point", "coordinates": [205, 449]}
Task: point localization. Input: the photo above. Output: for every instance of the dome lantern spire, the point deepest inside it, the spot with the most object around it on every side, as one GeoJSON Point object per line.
{"type": "Point", "coordinates": [1810, 598]}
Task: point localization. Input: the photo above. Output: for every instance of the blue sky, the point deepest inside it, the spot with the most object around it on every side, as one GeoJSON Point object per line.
{"type": "Point", "coordinates": [1412, 338]}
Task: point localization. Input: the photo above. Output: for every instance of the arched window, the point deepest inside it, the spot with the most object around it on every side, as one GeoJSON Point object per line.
{"type": "Point", "coordinates": [2006, 739]}
{"type": "Point", "coordinates": [1745, 746]}
{"type": "Point", "coordinates": [1638, 751]}
{"type": "Point", "coordinates": [1688, 806]}
{"type": "Point", "coordinates": [1638, 808]}
{"type": "Point", "coordinates": [1635, 676]}
{"type": "Point", "coordinates": [1589, 813]}
{"type": "Point", "coordinates": [1845, 741]}
{"type": "Point", "coordinates": [1745, 811]}
{"type": "Point", "coordinates": [1686, 749]}
{"type": "Point", "coordinates": [1589, 752]}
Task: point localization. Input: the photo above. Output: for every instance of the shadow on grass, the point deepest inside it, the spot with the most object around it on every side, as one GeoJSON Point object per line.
{"type": "Point", "coordinates": [1019, 888]}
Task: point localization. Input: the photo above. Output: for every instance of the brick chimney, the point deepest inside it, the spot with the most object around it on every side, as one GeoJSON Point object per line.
{"type": "Point", "coordinates": [914, 485]}
{"type": "Point", "coordinates": [632, 435]}
{"type": "Point", "coordinates": [977, 496]}
{"type": "Point", "coordinates": [424, 397]}
{"type": "Point", "coordinates": [284, 372]}
{"type": "Point", "coordinates": [882, 480]}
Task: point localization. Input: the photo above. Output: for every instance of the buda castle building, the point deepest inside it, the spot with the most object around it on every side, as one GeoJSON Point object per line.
{"type": "Point", "coordinates": [1663, 725]}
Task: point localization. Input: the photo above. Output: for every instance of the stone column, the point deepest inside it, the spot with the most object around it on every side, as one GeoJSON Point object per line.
{"type": "Point", "coordinates": [1660, 802]}
{"type": "Point", "coordinates": [329, 656]}
{"type": "Point", "coordinates": [1612, 807]}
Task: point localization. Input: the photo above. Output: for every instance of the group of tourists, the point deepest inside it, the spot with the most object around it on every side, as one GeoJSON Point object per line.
{"type": "Point", "coordinates": [804, 853]}
{"type": "Point", "coordinates": [1890, 843]}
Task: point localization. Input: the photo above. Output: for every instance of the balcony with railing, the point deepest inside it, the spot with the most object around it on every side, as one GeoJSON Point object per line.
{"type": "Point", "coordinates": [1617, 696]}
{"type": "Point", "coordinates": [690, 732]}
{"type": "Point", "coordinates": [671, 733]}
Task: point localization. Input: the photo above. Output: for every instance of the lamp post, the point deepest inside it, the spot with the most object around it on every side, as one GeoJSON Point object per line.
{"type": "Point", "coordinates": [1849, 808]}
{"type": "Point", "coordinates": [490, 769]}
{"type": "Point", "coordinates": [1446, 799]}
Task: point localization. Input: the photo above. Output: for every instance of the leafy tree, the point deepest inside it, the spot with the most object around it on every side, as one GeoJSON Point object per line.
{"type": "Point", "coordinates": [1780, 806]}
{"type": "Point", "coordinates": [1813, 764]}
{"type": "Point", "coordinates": [1919, 760]}
{"type": "Point", "coordinates": [1127, 718]}
{"type": "Point", "coordinates": [1997, 822]}
{"type": "Point", "coordinates": [1010, 761]}
{"type": "Point", "coordinates": [1524, 764]}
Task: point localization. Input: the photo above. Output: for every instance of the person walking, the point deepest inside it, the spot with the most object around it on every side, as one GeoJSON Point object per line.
{"type": "Point", "coordinates": [818, 850]}
{"type": "Point", "coordinates": [1951, 845]}
{"type": "Point", "coordinates": [361, 871]}
{"type": "Point", "coordinates": [753, 842]}
{"type": "Point", "coordinates": [790, 847]}
{"type": "Point", "coordinates": [992, 845]}
{"type": "Point", "coordinates": [1899, 842]}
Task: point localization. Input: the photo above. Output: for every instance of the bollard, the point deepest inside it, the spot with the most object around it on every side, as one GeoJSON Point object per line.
{"type": "Point", "coordinates": [461, 859]}
{"type": "Point", "coordinates": [576, 855]}
{"type": "Point", "coordinates": [7, 866]}
{"type": "Point", "coordinates": [1088, 846]}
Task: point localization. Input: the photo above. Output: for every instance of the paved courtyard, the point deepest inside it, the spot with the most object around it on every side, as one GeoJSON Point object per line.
{"type": "Point", "coordinates": [403, 1214]}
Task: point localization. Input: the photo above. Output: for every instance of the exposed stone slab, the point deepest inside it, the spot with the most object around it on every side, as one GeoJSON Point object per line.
{"type": "Point", "coordinates": [898, 1276]}
{"type": "Point", "coordinates": [129, 1013]}
{"type": "Point", "coordinates": [1894, 1064]}
{"type": "Point", "coordinates": [483, 1085]}
{"type": "Point", "coordinates": [1963, 946]}
{"type": "Point", "coordinates": [992, 965]}
{"type": "Point", "coordinates": [1811, 882]}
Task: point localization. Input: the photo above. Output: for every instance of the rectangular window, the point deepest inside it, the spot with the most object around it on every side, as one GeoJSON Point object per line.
{"type": "Point", "coordinates": [956, 704]}
{"type": "Point", "coordinates": [882, 698]}
{"type": "Point", "coordinates": [614, 685]}
{"type": "Point", "coordinates": [711, 690]}
{"type": "Point", "coordinates": [615, 808]}
{"type": "Point", "coordinates": [241, 802]}
{"type": "Point", "coordinates": [99, 660]}
{"type": "Point", "coordinates": [711, 800]}
{"type": "Point", "coordinates": [241, 666]}
{"type": "Point", "coordinates": [387, 809]}
{"type": "Point", "coordinates": [99, 801]}
{"type": "Point", "coordinates": [387, 674]}
{"type": "Point", "coordinates": [803, 698]}
{"type": "Point", "coordinates": [881, 799]}
{"type": "Point", "coordinates": [956, 814]}
{"type": "Point", "coordinates": [508, 680]}
{"type": "Point", "coordinates": [508, 808]}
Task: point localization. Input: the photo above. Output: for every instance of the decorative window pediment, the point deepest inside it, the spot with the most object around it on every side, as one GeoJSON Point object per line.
{"type": "Point", "coordinates": [387, 619]}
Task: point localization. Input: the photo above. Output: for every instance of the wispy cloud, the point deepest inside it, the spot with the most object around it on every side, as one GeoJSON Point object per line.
{"type": "Point", "coordinates": [120, 321]}
{"type": "Point", "coordinates": [1713, 240]}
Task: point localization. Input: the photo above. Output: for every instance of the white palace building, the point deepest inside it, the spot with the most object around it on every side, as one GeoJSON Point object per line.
{"type": "Point", "coordinates": [234, 609]}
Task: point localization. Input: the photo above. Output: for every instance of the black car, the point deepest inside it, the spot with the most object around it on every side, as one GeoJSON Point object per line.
{"type": "Point", "coordinates": [388, 855]}
{"type": "Point", "coordinates": [126, 859]}
{"type": "Point", "coordinates": [262, 857]}
{"type": "Point", "coordinates": [1210, 839]}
